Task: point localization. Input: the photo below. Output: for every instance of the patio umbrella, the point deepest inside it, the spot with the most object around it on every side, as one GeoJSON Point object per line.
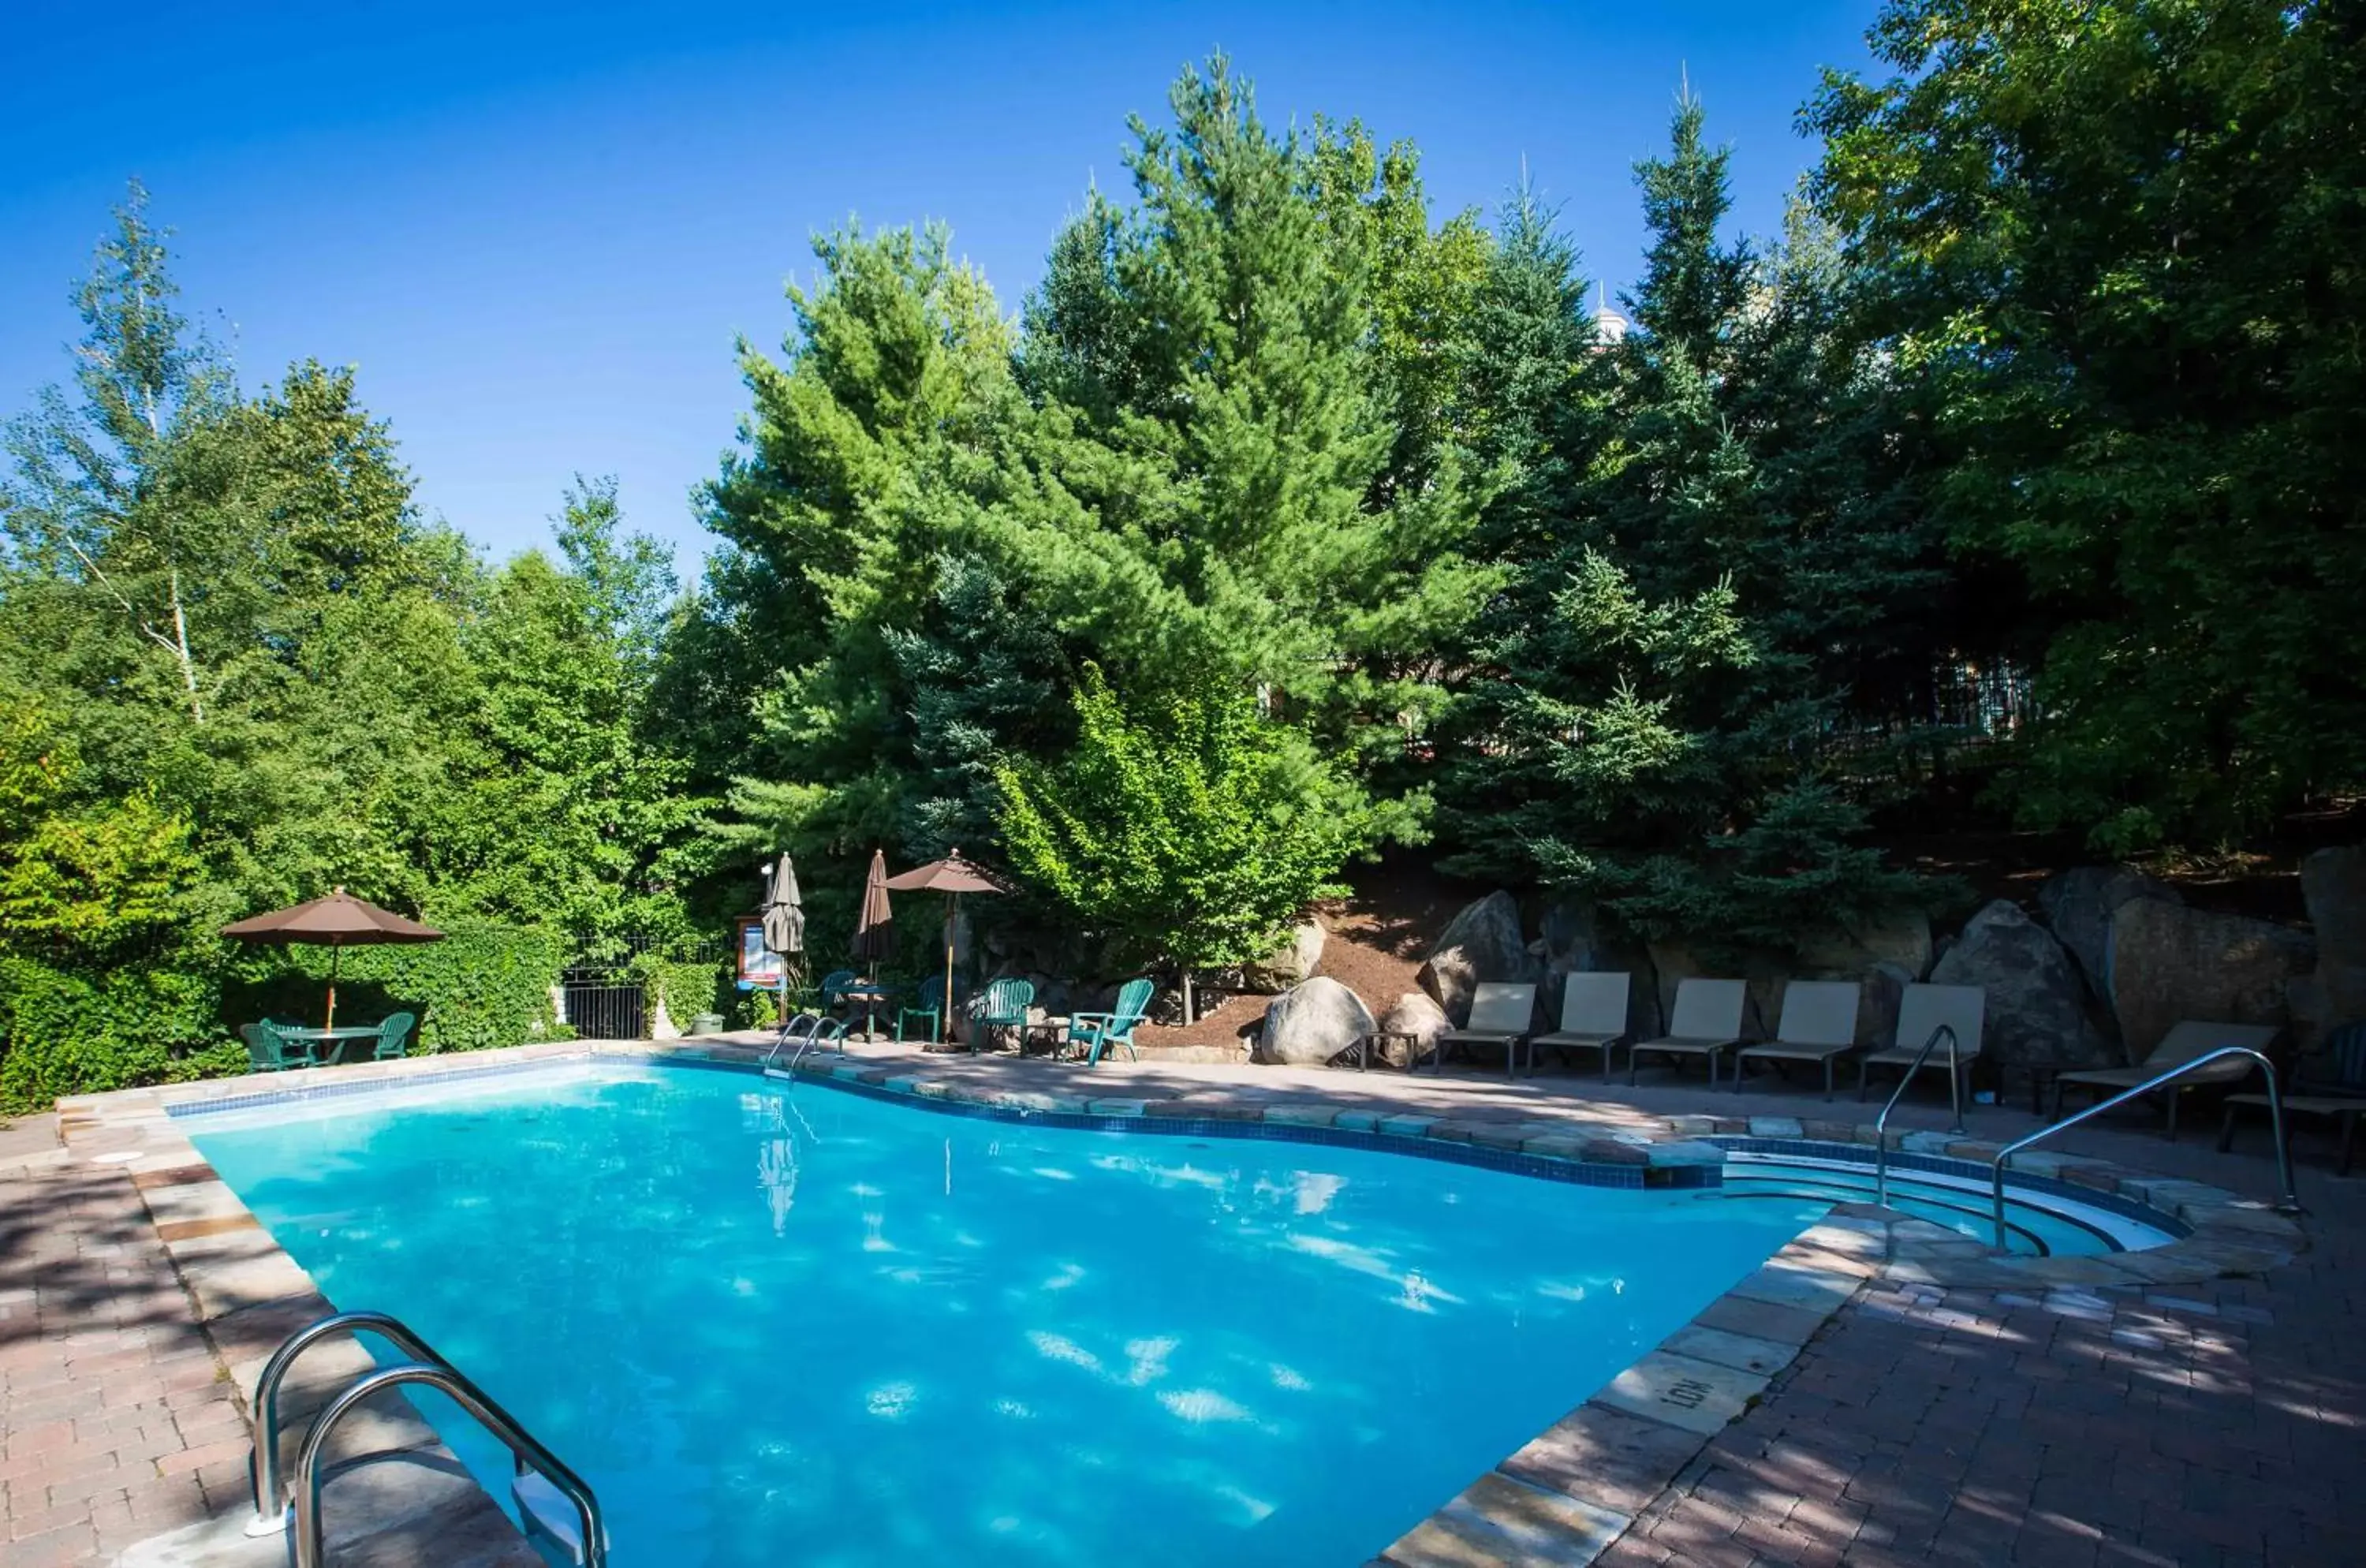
{"type": "Point", "coordinates": [784, 919]}
{"type": "Point", "coordinates": [335, 923]}
{"type": "Point", "coordinates": [951, 876]}
{"type": "Point", "coordinates": [785, 911]}
{"type": "Point", "coordinates": [875, 929]}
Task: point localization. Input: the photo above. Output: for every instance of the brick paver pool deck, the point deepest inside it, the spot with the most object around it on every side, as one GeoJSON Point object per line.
{"type": "Point", "coordinates": [2206, 1421]}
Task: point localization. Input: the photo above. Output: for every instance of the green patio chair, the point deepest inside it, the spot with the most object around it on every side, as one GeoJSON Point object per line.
{"type": "Point", "coordinates": [394, 1035]}
{"type": "Point", "coordinates": [1100, 1031]}
{"type": "Point", "coordinates": [267, 1051]}
{"type": "Point", "coordinates": [929, 1009]}
{"type": "Point", "coordinates": [1004, 1006]}
{"type": "Point", "coordinates": [834, 987]}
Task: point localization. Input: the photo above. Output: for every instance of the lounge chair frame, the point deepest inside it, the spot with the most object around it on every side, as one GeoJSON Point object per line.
{"type": "Point", "coordinates": [2188, 1041]}
{"type": "Point", "coordinates": [1592, 1017]}
{"type": "Point", "coordinates": [1502, 1013]}
{"type": "Point", "coordinates": [1705, 1022]}
{"type": "Point", "coordinates": [1818, 1024]}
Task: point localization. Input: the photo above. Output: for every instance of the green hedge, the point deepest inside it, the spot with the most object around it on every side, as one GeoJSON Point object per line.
{"type": "Point", "coordinates": [687, 987]}
{"type": "Point", "coordinates": [68, 1033]}
{"type": "Point", "coordinates": [485, 984]}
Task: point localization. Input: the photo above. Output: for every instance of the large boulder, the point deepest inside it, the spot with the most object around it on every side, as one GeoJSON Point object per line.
{"type": "Point", "coordinates": [2169, 963]}
{"type": "Point", "coordinates": [1482, 943]}
{"type": "Point", "coordinates": [1853, 948]}
{"type": "Point", "coordinates": [1415, 1014]}
{"type": "Point", "coordinates": [2036, 1003]}
{"type": "Point", "coordinates": [1570, 938]}
{"type": "Point", "coordinates": [2333, 882]}
{"type": "Point", "coordinates": [1883, 954]}
{"type": "Point", "coordinates": [2078, 905]}
{"type": "Point", "coordinates": [1313, 1023]}
{"type": "Point", "coordinates": [1292, 961]}
{"type": "Point", "coordinates": [1882, 989]}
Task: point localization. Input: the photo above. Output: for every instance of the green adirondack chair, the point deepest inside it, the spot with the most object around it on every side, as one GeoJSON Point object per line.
{"type": "Point", "coordinates": [1004, 1006]}
{"type": "Point", "coordinates": [266, 1052]}
{"type": "Point", "coordinates": [1096, 1031]}
{"type": "Point", "coordinates": [394, 1035]}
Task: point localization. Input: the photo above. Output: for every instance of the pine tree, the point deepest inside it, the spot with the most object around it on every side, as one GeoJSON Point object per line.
{"type": "Point", "coordinates": [1648, 707]}
{"type": "Point", "coordinates": [1202, 493]}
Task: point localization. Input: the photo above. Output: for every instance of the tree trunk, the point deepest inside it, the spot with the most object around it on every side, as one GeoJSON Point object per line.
{"type": "Point", "coordinates": [181, 652]}
{"type": "Point", "coordinates": [1191, 1015]}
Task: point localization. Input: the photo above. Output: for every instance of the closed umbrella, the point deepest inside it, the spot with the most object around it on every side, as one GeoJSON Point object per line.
{"type": "Point", "coordinates": [951, 876]}
{"type": "Point", "coordinates": [874, 936]}
{"type": "Point", "coordinates": [335, 923]}
{"type": "Point", "coordinates": [875, 929]}
{"type": "Point", "coordinates": [785, 921]}
{"type": "Point", "coordinates": [785, 911]}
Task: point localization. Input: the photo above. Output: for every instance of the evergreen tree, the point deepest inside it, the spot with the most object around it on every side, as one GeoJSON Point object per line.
{"type": "Point", "coordinates": [2117, 245]}
{"type": "Point", "coordinates": [1651, 699]}
{"type": "Point", "coordinates": [1201, 490]}
{"type": "Point", "coordinates": [864, 458]}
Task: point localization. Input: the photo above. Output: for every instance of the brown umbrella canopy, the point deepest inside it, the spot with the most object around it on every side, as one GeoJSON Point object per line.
{"type": "Point", "coordinates": [951, 875]}
{"type": "Point", "coordinates": [874, 929]}
{"type": "Point", "coordinates": [337, 922]}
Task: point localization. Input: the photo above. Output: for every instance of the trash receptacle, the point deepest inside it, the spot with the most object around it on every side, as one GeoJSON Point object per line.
{"type": "Point", "coordinates": [706, 1023]}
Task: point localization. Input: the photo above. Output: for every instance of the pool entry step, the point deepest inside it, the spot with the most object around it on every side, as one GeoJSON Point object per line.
{"type": "Point", "coordinates": [560, 1515]}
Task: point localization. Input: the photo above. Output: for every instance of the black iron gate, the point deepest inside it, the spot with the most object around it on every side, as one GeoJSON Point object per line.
{"type": "Point", "coordinates": [602, 1003]}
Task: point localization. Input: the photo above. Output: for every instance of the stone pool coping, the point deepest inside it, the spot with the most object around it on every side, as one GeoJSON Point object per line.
{"type": "Point", "coordinates": [1561, 1498]}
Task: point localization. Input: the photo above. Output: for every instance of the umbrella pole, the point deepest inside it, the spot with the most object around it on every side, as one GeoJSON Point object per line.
{"type": "Point", "coordinates": [953, 914]}
{"type": "Point", "coordinates": [336, 951]}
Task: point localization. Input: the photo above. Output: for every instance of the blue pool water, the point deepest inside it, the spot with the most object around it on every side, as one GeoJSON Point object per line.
{"type": "Point", "coordinates": [804, 1327]}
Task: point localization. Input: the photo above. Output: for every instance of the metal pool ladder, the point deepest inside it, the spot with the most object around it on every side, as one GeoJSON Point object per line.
{"type": "Point", "coordinates": [2288, 1205]}
{"type": "Point", "coordinates": [542, 1483]}
{"type": "Point", "coordinates": [1881, 1123]}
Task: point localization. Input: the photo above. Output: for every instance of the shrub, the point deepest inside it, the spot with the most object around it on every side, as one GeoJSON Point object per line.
{"type": "Point", "coordinates": [62, 1032]}
{"type": "Point", "coordinates": [485, 984]}
{"type": "Point", "coordinates": [686, 986]}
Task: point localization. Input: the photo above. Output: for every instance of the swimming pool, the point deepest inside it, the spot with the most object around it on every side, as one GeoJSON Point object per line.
{"type": "Point", "coordinates": [799, 1325]}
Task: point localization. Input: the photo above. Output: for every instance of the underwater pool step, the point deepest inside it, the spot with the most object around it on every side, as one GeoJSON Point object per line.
{"type": "Point", "coordinates": [2039, 1222]}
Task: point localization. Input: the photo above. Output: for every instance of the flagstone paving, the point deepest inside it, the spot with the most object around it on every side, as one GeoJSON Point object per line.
{"type": "Point", "coordinates": [2222, 1420]}
{"type": "Point", "coordinates": [116, 1423]}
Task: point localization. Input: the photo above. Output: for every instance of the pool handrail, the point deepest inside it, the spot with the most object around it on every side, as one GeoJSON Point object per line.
{"type": "Point", "coordinates": [2288, 1205]}
{"type": "Point", "coordinates": [1881, 1123]}
{"type": "Point", "coordinates": [263, 1463]}
{"type": "Point", "coordinates": [446, 1379]}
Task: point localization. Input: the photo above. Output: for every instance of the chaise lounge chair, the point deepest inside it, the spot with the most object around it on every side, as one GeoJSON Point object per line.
{"type": "Point", "coordinates": [1922, 1011]}
{"type": "Point", "coordinates": [2183, 1044]}
{"type": "Point", "coordinates": [1592, 1017]}
{"type": "Point", "coordinates": [1500, 1014]}
{"type": "Point", "coordinates": [1707, 1022]}
{"type": "Point", "coordinates": [1818, 1024]}
{"type": "Point", "coordinates": [2342, 1096]}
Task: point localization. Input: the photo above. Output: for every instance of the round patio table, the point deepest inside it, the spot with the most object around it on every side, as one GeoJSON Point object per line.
{"type": "Point", "coordinates": [321, 1044]}
{"type": "Point", "coordinates": [1048, 1032]}
{"type": "Point", "coordinates": [873, 997]}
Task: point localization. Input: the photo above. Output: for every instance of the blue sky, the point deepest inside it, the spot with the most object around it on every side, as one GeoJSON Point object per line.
{"type": "Point", "coordinates": [538, 228]}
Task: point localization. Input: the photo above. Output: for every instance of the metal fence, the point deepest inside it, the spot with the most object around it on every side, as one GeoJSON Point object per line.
{"type": "Point", "coordinates": [602, 1005]}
